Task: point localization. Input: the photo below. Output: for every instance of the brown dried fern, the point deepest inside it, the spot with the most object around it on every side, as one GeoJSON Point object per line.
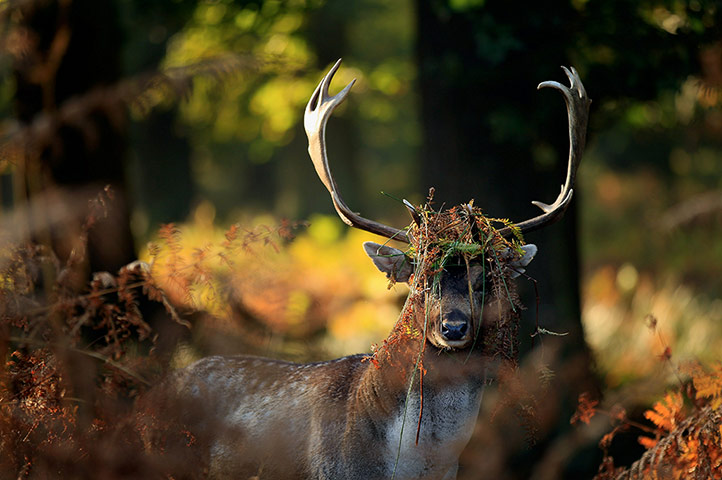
{"type": "Point", "coordinates": [692, 450]}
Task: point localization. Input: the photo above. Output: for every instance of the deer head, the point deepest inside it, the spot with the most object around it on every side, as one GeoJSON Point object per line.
{"type": "Point", "coordinates": [454, 304]}
{"type": "Point", "coordinates": [456, 298]}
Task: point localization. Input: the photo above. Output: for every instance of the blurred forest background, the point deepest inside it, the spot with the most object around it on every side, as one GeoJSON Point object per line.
{"type": "Point", "coordinates": [190, 110]}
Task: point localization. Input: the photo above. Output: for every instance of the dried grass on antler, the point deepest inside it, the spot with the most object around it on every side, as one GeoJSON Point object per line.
{"type": "Point", "coordinates": [458, 236]}
{"type": "Point", "coordinates": [463, 234]}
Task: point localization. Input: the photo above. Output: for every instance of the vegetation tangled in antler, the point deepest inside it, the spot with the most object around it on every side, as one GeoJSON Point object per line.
{"type": "Point", "coordinates": [457, 237]}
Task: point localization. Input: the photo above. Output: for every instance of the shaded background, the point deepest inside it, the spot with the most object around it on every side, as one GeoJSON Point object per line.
{"type": "Point", "coordinates": [191, 111]}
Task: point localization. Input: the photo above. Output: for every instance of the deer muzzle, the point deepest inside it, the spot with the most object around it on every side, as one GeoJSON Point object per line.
{"type": "Point", "coordinates": [454, 326]}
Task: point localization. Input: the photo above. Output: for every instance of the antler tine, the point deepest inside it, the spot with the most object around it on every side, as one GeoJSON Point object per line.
{"type": "Point", "coordinates": [318, 111]}
{"type": "Point", "coordinates": [578, 113]}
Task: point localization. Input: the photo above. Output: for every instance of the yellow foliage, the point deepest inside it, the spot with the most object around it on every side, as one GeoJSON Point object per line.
{"type": "Point", "coordinates": [247, 106]}
{"type": "Point", "coordinates": [707, 384]}
{"type": "Point", "coordinates": [615, 327]}
{"type": "Point", "coordinates": [647, 442]}
{"type": "Point", "coordinates": [320, 280]}
{"type": "Point", "coordinates": [666, 413]}
{"type": "Point", "coordinates": [686, 445]}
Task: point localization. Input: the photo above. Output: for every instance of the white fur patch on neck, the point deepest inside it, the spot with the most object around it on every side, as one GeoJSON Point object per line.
{"type": "Point", "coordinates": [448, 420]}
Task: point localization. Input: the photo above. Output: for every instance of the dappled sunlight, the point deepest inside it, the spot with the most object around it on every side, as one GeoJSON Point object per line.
{"type": "Point", "coordinates": [321, 281]}
{"type": "Point", "coordinates": [617, 319]}
{"type": "Point", "coordinates": [250, 107]}
{"type": "Point", "coordinates": [651, 251]}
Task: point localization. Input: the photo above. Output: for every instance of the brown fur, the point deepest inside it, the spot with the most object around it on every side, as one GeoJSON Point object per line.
{"type": "Point", "coordinates": [249, 417]}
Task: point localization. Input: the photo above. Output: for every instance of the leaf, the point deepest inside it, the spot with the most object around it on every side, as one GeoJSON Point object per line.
{"type": "Point", "coordinates": [666, 413]}
{"type": "Point", "coordinates": [585, 410]}
{"type": "Point", "coordinates": [709, 384]}
{"type": "Point", "coordinates": [647, 442]}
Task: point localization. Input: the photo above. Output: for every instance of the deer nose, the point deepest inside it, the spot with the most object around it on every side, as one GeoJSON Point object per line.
{"type": "Point", "coordinates": [454, 326]}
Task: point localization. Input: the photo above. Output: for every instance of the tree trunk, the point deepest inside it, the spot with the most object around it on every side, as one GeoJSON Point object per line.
{"type": "Point", "coordinates": [77, 51]}
{"type": "Point", "coordinates": [489, 135]}
{"type": "Point", "coordinates": [71, 155]}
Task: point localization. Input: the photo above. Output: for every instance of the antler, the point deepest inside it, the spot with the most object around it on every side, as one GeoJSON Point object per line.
{"type": "Point", "coordinates": [318, 111]}
{"type": "Point", "coordinates": [321, 106]}
{"type": "Point", "coordinates": [578, 112]}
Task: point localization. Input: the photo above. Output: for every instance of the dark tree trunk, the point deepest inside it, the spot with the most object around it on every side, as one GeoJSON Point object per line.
{"type": "Point", "coordinates": [489, 135]}
{"type": "Point", "coordinates": [77, 51]}
{"type": "Point", "coordinates": [74, 53]}
{"type": "Point", "coordinates": [483, 125]}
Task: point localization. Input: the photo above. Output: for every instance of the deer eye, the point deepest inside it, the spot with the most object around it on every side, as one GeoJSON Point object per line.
{"type": "Point", "coordinates": [477, 274]}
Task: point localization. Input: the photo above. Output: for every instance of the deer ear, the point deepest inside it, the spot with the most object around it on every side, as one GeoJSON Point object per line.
{"type": "Point", "coordinates": [392, 261]}
{"type": "Point", "coordinates": [517, 266]}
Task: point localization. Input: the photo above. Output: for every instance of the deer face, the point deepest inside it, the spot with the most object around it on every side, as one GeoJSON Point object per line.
{"type": "Point", "coordinates": [454, 303]}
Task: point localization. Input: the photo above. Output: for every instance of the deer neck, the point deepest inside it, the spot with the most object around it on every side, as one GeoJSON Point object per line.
{"type": "Point", "coordinates": [415, 404]}
{"type": "Point", "coordinates": [407, 363]}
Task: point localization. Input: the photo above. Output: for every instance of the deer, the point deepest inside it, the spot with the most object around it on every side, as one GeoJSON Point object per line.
{"type": "Point", "coordinates": [407, 410]}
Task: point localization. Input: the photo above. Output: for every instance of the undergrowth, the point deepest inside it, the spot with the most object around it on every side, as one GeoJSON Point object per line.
{"type": "Point", "coordinates": [683, 439]}
{"type": "Point", "coordinates": [76, 354]}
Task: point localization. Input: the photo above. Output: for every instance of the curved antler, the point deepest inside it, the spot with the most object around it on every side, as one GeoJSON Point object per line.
{"type": "Point", "coordinates": [578, 112]}
{"type": "Point", "coordinates": [318, 111]}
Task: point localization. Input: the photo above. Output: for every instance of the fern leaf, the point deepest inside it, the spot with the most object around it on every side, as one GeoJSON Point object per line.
{"type": "Point", "coordinates": [647, 442]}
{"type": "Point", "coordinates": [709, 385]}
{"type": "Point", "coordinates": [666, 413]}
